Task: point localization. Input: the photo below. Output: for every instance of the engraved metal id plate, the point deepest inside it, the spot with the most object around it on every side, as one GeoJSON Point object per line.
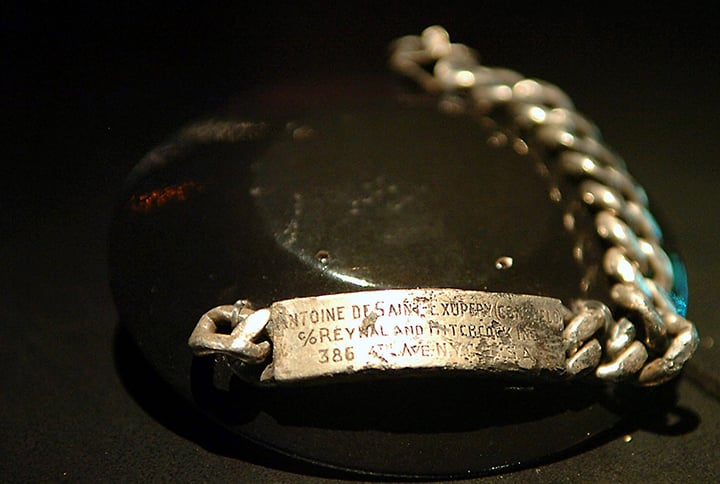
{"type": "Point", "coordinates": [415, 329]}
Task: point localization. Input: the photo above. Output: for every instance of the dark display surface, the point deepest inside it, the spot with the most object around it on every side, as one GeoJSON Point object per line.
{"type": "Point", "coordinates": [94, 91]}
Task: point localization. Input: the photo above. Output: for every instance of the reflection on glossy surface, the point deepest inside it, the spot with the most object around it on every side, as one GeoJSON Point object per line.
{"type": "Point", "coordinates": [155, 199]}
{"type": "Point", "coordinates": [680, 292]}
{"type": "Point", "coordinates": [397, 210]}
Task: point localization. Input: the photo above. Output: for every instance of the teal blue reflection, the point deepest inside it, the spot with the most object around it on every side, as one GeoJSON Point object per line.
{"type": "Point", "coordinates": [680, 289]}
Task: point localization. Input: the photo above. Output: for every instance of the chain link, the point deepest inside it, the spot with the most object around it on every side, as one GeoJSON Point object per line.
{"type": "Point", "coordinates": [241, 342]}
{"type": "Point", "coordinates": [634, 257]}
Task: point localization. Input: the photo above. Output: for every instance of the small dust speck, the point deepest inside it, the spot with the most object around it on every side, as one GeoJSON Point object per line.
{"type": "Point", "coordinates": [520, 147]}
{"type": "Point", "coordinates": [322, 256]}
{"type": "Point", "coordinates": [555, 195]}
{"type": "Point", "coordinates": [303, 133]}
{"type": "Point", "coordinates": [497, 140]}
{"type": "Point", "coordinates": [503, 263]}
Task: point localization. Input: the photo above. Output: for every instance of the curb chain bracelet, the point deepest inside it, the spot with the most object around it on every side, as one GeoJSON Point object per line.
{"type": "Point", "coordinates": [640, 338]}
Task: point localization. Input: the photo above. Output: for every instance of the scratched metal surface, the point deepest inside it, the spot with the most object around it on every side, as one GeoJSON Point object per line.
{"type": "Point", "coordinates": [414, 330]}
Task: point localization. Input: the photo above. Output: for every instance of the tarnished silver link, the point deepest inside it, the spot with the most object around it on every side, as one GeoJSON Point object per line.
{"type": "Point", "coordinates": [680, 350]}
{"type": "Point", "coordinates": [484, 97]}
{"type": "Point", "coordinates": [241, 343]}
{"type": "Point", "coordinates": [410, 53]}
{"type": "Point", "coordinates": [575, 121]}
{"type": "Point", "coordinates": [436, 41]}
{"type": "Point", "coordinates": [531, 116]}
{"type": "Point", "coordinates": [533, 91]}
{"type": "Point", "coordinates": [618, 234]}
{"type": "Point", "coordinates": [634, 299]}
{"type": "Point", "coordinates": [659, 263]}
{"type": "Point", "coordinates": [617, 265]}
{"type": "Point", "coordinates": [562, 137]}
{"type": "Point", "coordinates": [624, 182]}
{"type": "Point", "coordinates": [620, 335]}
{"type": "Point", "coordinates": [589, 318]}
{"type": "Point", "coordinates": [458, 69]}
{"type": "Point", "coordinates": [603, 197]}
{"type": "Point", "coordinates": [583, 350]}
{"type": "Point", "coordinates": [642, 221]}
{"type": "Point", "coordinates": [634, 256]}
{"type": "Point", "coordinates": [585, 359]}
{"type": "Point", "coordinates": [625, 364]}
{"type": "Point", "coordinates": [676, 324]}
{"type": "Point", "coordinates": [582, 164]}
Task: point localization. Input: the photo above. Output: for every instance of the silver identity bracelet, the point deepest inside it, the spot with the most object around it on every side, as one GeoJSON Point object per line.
{"type": "Point", "coordinates": [641, 339]}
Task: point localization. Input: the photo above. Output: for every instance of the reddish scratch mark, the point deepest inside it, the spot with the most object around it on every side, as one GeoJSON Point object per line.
{"type": "Point", "coordinates": [151, 201]}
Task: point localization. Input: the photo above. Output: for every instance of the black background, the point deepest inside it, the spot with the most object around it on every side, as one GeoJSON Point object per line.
{"type": "Point", "coordinates": [87, 90]}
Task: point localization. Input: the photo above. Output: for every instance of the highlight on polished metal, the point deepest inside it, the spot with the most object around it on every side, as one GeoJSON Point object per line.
{"type": "Point", "coordinates": [641, 337]}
